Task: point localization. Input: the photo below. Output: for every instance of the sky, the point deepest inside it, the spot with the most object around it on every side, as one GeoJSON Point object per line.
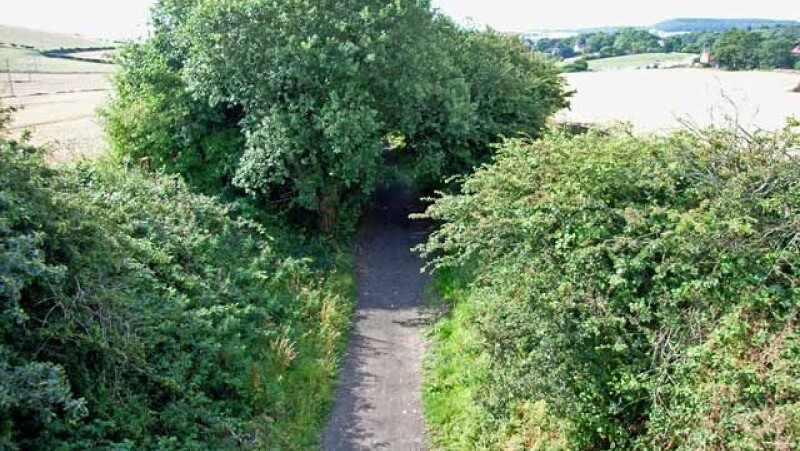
{"type": "Point", "coordinates": [526, 15]}
{"type": "Point", "coordinates": [128, 18]}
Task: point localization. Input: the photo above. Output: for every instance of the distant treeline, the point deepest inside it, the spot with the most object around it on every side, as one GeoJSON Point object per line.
{"type": "Point", "coordinates": [703, 25]}
{"type": "Point", "coordinates": [735, 49]}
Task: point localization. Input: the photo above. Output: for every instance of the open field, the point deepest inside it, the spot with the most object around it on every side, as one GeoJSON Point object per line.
{"type": "Point", "coordinates": [57, 98]}
{"type": "Point", "coordinates": [640, 60]}
{"type": "Point", "coordinates": [25, 60]}
{"type": "Point", "coordinates": [60, 110]}
{"type": "Point", "coordinates": [44, 40]}
{"type": "Point", "coordinates": [658, 100]}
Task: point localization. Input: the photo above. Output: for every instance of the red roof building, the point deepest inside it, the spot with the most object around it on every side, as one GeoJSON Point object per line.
{"type": "Point", "coordinates": [796, 51]}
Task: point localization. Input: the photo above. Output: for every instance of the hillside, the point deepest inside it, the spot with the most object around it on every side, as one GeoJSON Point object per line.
{"type": "Point", "coordinates": [704, 24]}
{"type": "Point", "coordinates": [45, 40]}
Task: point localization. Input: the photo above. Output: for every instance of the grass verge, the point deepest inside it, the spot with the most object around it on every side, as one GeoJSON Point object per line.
{"type": "Point", "coordinates": [638, 60]}
{"type": "Point", "coordinates": [454, 367]}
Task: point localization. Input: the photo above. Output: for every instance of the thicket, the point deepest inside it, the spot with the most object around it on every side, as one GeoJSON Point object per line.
{"type": "Point", "coordinates": [138, 315]}
{"type": "Point", "coordinates": [611, 291]}
{"type": "Point", "coordinates": [296, 102]}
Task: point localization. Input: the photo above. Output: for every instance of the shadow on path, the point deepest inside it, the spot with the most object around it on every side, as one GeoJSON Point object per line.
{"type": "Point", "coordinates": [379, 401]}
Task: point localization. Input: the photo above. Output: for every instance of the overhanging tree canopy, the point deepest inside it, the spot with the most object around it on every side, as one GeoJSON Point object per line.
{"type": "Point", "coordinates": [295, 99]}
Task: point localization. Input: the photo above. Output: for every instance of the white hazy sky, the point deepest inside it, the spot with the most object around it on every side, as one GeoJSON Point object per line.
{"type": "Point", "coordinates": [128, 18]}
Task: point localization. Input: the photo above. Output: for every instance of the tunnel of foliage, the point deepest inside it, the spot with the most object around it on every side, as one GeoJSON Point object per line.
{"type": "Point", "coordinates": [611, 291]}
{"type": "Point", "coordinates": [137, 315]}
{"type": "Point", "coordinates": [296, 102]}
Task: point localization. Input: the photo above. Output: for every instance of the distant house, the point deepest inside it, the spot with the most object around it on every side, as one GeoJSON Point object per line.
{"type": "Point", "coordinates": [705, 58]}
{"type": "Point", "coordinates": [796, 51]}
{"type": "Point", "coordinates": [580, 47]}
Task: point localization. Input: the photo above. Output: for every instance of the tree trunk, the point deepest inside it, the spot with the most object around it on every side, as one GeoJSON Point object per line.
{"type": "Point", "coordinates": [328, 210]}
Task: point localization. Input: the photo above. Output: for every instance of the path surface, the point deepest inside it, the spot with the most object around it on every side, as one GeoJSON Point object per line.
{"type": "Point", "coordinates": [378, 403]}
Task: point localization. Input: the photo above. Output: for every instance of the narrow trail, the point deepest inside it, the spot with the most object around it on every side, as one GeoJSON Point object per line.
{"type": "Point", "coordinates": [379, 401]}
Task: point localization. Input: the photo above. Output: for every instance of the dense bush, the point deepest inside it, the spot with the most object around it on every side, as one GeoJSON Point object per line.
{"type": "Point", "coordinates": [580, 65]}
{"type": "Point", "coordinates": [294, 102]}
{"type": "Point", "coordinates": [136, 315]}
{"type": "Point", "coordinates": [154, 122]}
{"type": "Point", "coordinates": [492, 86]}
{"type": "Point", "coordinates": [619, 291]}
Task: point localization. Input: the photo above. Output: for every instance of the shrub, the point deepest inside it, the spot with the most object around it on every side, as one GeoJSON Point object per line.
{"type": "Point", "coordinates": [629, 292]}
{"type": "Point", "coordinates": [137, 315]}
{"type": "Point", "coordinates": [154, 122]}
{"type": "Point", "coordinates": [581, 65]}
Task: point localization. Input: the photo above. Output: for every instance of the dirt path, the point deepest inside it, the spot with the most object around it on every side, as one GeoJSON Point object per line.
{"type": "Point", "coordinates": [378, 403]}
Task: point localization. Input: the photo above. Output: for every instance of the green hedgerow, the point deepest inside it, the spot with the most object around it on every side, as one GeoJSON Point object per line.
{"type": "Point", "coordinates": [629, 292]}
{"type": "Point", "coordinates": [137, 315]}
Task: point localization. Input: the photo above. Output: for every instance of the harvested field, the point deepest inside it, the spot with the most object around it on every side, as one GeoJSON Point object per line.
{"type": "Point", "coordinates": [658, 100]}
{"type": "Point", "coordinates": [60, 110]}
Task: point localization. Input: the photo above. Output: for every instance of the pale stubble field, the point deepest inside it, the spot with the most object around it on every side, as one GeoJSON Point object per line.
{"type": "Point", "coordinates": [660, 100]}
{"type": "Point", "coordinates": [60, 110]}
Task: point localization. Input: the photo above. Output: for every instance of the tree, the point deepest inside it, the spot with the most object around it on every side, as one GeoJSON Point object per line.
{"type": "Point", "coordinates": [596, 42]}
{"type": "Point", "coordinates": [738, 49]}
{"type": "Point", "coordinates": [632, 40]}
{"type": "Point", "coordinates": [513, 91]}
{"type": "Point", "coordinates": [295, 102]}
{"type": "Point", "coordinates": [321, 84]}
{"type": "Point", "coordinates": [776, 53]}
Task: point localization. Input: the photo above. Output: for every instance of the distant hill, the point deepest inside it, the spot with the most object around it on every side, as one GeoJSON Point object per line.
{"type": "Point", "coordinates": [692, 25]}
{"type": "Point", "coordinates": [45, 40]}
{"type": "Point", "coordinates": [684, 25]}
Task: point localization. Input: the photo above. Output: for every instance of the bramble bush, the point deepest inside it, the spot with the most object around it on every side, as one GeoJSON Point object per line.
{"type": "Point", "coordinates": [137, 315]}
{"type": "Point", "coordinates": [621, 292]}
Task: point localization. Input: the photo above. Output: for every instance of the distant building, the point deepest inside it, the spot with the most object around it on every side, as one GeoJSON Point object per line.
{"type": "Point", "coordinates": [796, 51]}
{"type": "Point", "coordinates": [705, 58]}
{"type": "Point", "coordinates": [580, 47]}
